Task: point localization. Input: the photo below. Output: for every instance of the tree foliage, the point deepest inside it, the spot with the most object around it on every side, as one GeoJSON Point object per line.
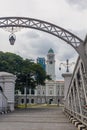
{"type": "Point", "coordinates": [27, 72]}
{"type": "Point", "coordinates": [10, 62]}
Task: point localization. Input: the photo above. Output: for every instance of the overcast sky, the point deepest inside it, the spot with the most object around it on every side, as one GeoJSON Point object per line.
{"type": "Point", "coordinates": [69, 14]}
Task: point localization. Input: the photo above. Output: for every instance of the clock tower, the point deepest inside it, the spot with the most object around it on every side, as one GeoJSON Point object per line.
{"type": "Point", "coordinates": [50, 66]}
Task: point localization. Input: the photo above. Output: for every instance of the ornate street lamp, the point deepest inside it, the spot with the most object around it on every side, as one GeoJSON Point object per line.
{"type": "Point", "coordinates": [12, 38]}
{"type": "Point", "coordinates": [66, 65]}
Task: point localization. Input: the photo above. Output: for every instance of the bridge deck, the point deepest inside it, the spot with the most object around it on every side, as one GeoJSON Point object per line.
{"type": "Point", "coordinates": [36, 119]}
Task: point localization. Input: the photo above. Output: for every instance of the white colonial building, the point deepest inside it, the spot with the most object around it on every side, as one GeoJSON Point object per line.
{"type": "Point", "coordinates": [52, 92]}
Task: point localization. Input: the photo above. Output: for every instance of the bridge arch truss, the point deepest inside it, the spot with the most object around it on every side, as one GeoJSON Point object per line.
{"type": "Point", "coordinates": [57, 31]}
{"type": "Point", "coordinates": [65, 35]}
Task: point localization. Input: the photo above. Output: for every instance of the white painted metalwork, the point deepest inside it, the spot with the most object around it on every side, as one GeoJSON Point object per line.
{"type": "Point", "coordinates": [76, 99]}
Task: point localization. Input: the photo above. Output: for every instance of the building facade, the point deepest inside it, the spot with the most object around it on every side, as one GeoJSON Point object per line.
{"type": "Point", "coordinates": [52, 92]}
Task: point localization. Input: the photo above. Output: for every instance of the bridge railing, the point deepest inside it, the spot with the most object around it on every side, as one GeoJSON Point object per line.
{"type": "Point", "coordinates": [4, 110]}
{"type": "Point", "coordinates": [81, 118]}
{"type": "Point", "coordinates": [76, 98]}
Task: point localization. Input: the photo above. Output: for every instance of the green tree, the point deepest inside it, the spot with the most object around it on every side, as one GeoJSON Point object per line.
{"type": "Point", "coordinates": [27, 72]}
{"type": "Point", "coordinates": [10, 62]}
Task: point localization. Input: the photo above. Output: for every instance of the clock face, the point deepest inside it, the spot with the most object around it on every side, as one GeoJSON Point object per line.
{"type": "Point", "coordinates": [50, 57]}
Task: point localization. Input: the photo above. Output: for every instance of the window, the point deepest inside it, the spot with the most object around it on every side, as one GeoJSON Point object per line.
{"type": "Point", "coordinates": [22, 100]}
{"type": "Point", "coordinates": [38, 91]}
{"type": "Point", "coordinates": [22, 91]}
{"type": "Point", "coordinates": [58, 93]}
{"type": "Point", "coordinates": [32, 100]}
{"type": "Point", "coordinates": [51, 92]}
{"type": "Point", "coordinates": [62, 86]}
{"type": "Point", "coordinates": [27, 91]}
{"type": "Point", "coordinates": [32, 91]}
{"type": "Point", "coordinates": [58, 86]}
{"type": "Point", "coordinates": [43, 92]}
{"type": "Point", "coordinates": [62, 92]}
{"type": "Point", "coordinates": [27, 100]}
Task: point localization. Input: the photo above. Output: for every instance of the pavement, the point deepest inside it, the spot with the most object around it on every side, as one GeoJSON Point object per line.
{"type": "Point", "coordinates": [36, 119]}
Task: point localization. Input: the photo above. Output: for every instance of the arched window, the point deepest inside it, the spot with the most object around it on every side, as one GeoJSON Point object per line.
{"type": "Point", "coordinates": [43, 93]}
{"type": "Point", "coordinates": [58, 92]}
{"type": "Point", "coordinates": [32, 100]}
{"type": "Point", "coordinates": [22, 100]}
{"type": "Point", "coordinates": [22, 91]}
{"type": "Point", "coordinates": [38, 91]}
{"type": "Point", "coordinates": [27, 100]}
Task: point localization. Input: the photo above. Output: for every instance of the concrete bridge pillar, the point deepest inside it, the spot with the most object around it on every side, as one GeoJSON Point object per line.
{"type": "Point", "coordinates": [7, 81]}
{"type": "Point", "coordinates": [67, 79]}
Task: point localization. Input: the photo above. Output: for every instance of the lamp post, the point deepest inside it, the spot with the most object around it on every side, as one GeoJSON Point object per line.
{"type": "Point", "coordinates": [27, 85]}
{"type": "Point", "coordinates": [66, 65]}
{"type": "Point", "coordinates": [26, 91]}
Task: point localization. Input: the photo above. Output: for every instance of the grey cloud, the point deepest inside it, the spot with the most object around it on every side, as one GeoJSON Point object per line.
{"type": "Point", "coordinates": [66, 52]}
{"type": "Point", "coordinates": [41, 46]}
{"type": "Point", "coordinates": [82, 33]}
{"type": "Point", "coordinates": [81, 4]}
{"type": "Point", "coordinates": [35, 47]}
{"type": "Point", "coordinates": [31, 34]}
{"type": "Point", "coordinates": [68, 56]}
